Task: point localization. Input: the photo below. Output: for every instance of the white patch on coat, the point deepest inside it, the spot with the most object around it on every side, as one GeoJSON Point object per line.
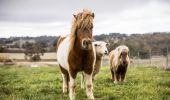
{"type": "Point", "coordinates": [63, 52]}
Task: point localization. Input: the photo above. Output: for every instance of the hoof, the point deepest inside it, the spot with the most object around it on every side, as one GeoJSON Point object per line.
{"type": "Point", "coordinates": [91, 98]}
{"type": "Point", "coordinates": [112, 79]}
{"type": "Point", "coordinates": [65, 91]}
{"type": "Point", "coordinates": [82, 87]}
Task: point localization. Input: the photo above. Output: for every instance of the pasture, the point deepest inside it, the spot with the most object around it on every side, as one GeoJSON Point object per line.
{"type": "Point", "coordinates": [45, 83]}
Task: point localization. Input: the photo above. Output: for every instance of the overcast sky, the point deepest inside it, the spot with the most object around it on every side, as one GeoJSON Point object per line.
{"type": "Point", "coordinates": [54, 17]}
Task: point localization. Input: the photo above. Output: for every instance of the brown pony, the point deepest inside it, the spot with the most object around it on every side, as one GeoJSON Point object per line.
{"type": "Point", "coordinates": [119, 61]}
{"type": "Point", "coordinates": [75, 53]}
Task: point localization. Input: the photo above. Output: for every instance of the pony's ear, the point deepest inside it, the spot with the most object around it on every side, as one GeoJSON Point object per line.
{"type": "Point", "coordinates": [74, 16]}
{"type": "Point", "coordinates": [93, 15]}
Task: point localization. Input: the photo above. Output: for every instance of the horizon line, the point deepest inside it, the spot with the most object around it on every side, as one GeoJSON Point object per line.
{"type": "Point", "coordinates": [128, 34]}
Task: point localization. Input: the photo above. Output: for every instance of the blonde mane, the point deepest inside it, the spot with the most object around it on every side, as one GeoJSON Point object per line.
{"type": "Point", "coordinates": [82, 20]}
{"type": "Point", "coordinates": [115, 54]}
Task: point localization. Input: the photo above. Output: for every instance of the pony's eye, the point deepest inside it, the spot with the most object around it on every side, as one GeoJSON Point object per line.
{"type": "Point", "coordinates": [107, 44]}
{"type": "Point", "coordinates": [96, 45]}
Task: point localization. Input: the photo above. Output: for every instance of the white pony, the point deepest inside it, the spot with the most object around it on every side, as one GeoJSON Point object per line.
{"type": "Point", "coordinates": [101, 50]}
{"type": "Point", "coordinates": [119, 61]}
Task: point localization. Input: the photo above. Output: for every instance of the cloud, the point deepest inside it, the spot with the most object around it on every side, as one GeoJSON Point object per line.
{"type": "Point", "coordinates": [32, 29]}
{"type": "Point", "coordinates": [149, 18]}
{"type": "Point", "coordinates": [53, 17]}
{"type": "Point", "coordinates": [54, 10]}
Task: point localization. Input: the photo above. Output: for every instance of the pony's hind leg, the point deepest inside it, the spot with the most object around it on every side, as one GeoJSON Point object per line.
{"type": "Point", "coordinates": [112, 75]}
{"type": "Point", "coordinates": [65, 83]}
{"type": "Point", "coordinates": [93, 76]}
{"type": "Point", "coordinates": [89, 86]}
{"type": "Point", "coordinates": [116, 77]}
{"type": "Point", "coordinates": [82, 80]}
{"type": "Point", "coordinates": [65, 76]}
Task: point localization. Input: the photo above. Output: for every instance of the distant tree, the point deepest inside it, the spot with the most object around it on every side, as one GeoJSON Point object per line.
{"type": "Point", "coordinates": [16, 45]}
{"type": "Point", "coordinates": [2, 49]}
{"type": "Point", "coordinates": [34, 51]}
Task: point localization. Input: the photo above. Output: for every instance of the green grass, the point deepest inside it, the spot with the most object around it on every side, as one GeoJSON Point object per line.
{"type": "Point", "coordinates": [45, 83]}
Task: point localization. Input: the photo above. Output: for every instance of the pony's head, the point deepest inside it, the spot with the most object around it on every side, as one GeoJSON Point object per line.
{"type": "Point", "coordinates": [101, 47]}
{"type": "Point", "coordinates": [82, 29]}
{"type": "Point", "coordinates": [123, 54]}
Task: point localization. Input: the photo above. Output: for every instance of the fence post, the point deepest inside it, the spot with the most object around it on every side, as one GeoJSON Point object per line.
{"type": "Point", "coordinates": [167, 67]}
{"type": "Point", "coordinates": [150, 55]}
{"type": "Point", "coordinates": [138, 58]}
{"type": "Point", "coordinates": [131, 59]}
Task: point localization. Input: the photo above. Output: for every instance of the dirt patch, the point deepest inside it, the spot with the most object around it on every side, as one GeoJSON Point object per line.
{"type": "Point", "coordinates": [34, 64]}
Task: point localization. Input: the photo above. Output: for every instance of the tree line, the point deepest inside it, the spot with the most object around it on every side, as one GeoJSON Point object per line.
{"type": "Point", "coordinates": [137, 43]}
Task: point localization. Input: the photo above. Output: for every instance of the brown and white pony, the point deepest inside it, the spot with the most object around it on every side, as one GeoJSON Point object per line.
{"type": "Point", "coordinates": [101, 50]}
{"type": "Point", "coordinates": [119, 61]}
{"type": "Point", "coordinates": [75, 53]}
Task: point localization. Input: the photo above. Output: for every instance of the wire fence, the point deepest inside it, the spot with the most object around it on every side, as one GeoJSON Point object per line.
{"type": "Point", "coordinates": [155, 58]}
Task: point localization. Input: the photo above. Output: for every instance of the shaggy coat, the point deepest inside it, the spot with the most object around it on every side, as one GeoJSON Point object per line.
{"type": "Point", "coordinates": [75, 53]}
{"type": "Point", "coordinates": [119, 61]}
{"type": "Point", "coordinates": [101, 50]}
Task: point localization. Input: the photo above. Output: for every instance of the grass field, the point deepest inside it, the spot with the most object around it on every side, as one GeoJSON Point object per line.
{"type": "Point", "coordinates": [45, 83]}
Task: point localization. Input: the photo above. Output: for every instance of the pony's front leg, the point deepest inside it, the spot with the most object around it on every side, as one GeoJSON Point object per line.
{"type": "Point", "coordinates": [89, 86]}
{"type": "Point", "coordinates": [123, 77]}
{"type": "Point", "coordinates": [115, 77]}
{"type": "Point", "coordinates": [72, 87]}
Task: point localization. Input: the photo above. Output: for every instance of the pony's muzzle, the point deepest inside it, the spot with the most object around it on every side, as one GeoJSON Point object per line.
{"type": "Point", "coordinates": [124, 62]}
{"type": "Point", "coordinates": [86, 44]}
{"type": "Point", "coordinates": [106, 52]}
